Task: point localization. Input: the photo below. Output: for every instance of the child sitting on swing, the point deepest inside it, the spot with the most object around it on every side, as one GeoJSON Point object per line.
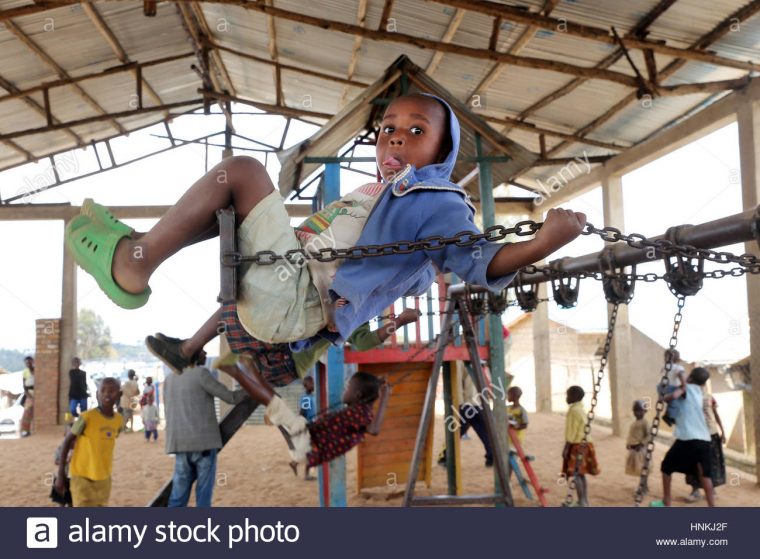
{"type": "Point", "coordinates": [327, 436]}
{"type": "Point", "coordinates": [417, 146]}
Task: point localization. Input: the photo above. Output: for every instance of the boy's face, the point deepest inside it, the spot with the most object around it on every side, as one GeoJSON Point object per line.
{"type": "Point", "coordinates": [638, 411]}
{"type": "Point", "coordinates": [109, 393]}
{"type": "Point", "coordinates": [76, 362]}
{"type": "Point", "coordinates": [412, 131]}
{"type": "Point", "coordinates": [572, 397]}
{"type": "Point", "coordinates": [511, 395]}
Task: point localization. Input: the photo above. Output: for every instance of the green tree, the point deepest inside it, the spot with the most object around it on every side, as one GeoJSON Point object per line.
{"type": "Point", "coordinates": [93, 336]}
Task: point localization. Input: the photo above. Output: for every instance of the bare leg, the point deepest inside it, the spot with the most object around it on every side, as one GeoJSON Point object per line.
{"type": "Point", "coordinates": [251, 380]}
{"type": "Point", "coordinates": [210, 330]}
{"type": "Point", "coordinates": [666, 481]}
{"type": "Point", "coordinates": [582, 489]}
{"type": "Point", "coordinates": [708, 487]}
{"type": "Point", "coordinates": [238, 181]}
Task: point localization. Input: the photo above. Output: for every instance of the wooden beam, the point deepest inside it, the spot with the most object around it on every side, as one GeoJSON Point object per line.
{"type": "Point", "coordinates": [493, 42]}
{"type": "Point", "coordinates": [514, 123]}
{"type": "Point", "coordinates": [361, 20]}
{"type": "Point", "coordinates": [196, 36]}
{"type": "Point", "coordinates": [383, 24]}
{"type": "Point", "coordinates": [100, 23]}
{"type": "Point", "coordinates": [715, 116]}
{"type": "Point", "coordinates": [99, 118]}
{"type": "Point", "coordinates": [515, 48]}
{"type": "Point", "coordinates": [706, 40]}
{"type": "Point", "coordinates": [639, 29]}
{"type": "Point", "coordinates": [216, 56]}
{"type": "Point", "coordinates": [272, 46]}
{"type": "Point", "coordinates": [423, 43]}
{"type": "Point", "coordinates": [273, 109]}
{"type": "Point", "coordinates": [35, 8]}
{"type": "Point", "coordinates": [290, 68]}
{"type": "Point", "coordinates": [601, 35]}
{"type": "Point", "coordinates": [48, 60]}
{"type": "Point", "coordinates": [36, 107]}
{"type": "Point", "coordinates": [94, 75]}
{"type": "Point", "coordinates": [451, 30]}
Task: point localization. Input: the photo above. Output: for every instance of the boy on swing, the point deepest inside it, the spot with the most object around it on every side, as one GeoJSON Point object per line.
{"type": "Point", "coordinates": [416, 152]}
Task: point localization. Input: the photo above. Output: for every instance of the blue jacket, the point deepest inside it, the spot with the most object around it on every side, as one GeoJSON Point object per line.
{"type": "Point", "coordinates": [418, 203]}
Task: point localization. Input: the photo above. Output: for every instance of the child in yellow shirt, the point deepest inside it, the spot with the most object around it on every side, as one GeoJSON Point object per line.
{"type": "Point", "coordinates": [95, 432]}
{"type": "Point", "coordinates": [578, 459]}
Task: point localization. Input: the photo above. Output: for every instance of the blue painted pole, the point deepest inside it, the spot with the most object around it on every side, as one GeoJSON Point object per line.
{"type": "Point", "coordinates": [332, 476]}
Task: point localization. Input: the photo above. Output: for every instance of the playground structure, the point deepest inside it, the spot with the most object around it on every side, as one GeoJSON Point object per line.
{"type": "Point", "coordinates": [487, 155]}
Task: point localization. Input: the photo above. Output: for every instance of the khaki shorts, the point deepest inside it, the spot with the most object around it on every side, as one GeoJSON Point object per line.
{"type": "Point", "coordinates": [89, 493]}
{"type": "Point", "coordinates": [276, 303]}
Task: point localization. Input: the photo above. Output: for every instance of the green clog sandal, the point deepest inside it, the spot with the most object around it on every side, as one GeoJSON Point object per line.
{"type": "Point", "coordinates": [658, 504]}
{"type": "Point", "coordinates": [93, 247]}
{"type": "Point", "coordinates": [100, 214]}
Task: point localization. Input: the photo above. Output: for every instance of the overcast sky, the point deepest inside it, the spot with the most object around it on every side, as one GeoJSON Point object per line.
{"type": "Point", "coordinates": [698, 183]}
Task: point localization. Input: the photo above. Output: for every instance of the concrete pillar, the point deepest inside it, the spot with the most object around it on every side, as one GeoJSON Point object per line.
{"type": "Point", "coordinates": [620, 364]}
{"type": "Point", "coordinates": [46, 372]}
{"type": "Point", "coordinates": [68, 328]}
{"type": "Point", "coordinates": [542, 358]}
{"type": "Point", "coordinates": [749, 145]}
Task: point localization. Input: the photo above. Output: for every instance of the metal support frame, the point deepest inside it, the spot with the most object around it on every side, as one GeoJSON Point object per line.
{"type": "Point", "coordinates": [503, 494]}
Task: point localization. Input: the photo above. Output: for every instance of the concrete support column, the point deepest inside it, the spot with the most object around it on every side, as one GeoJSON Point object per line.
{"type": "Point", "coordinates": [620, 363]}
{"type": "Point", "coordinates": [542, 358]}
{"type": "Point", "coordinates": [749, 146]}
{"type": "Point", "coordinates": [68, 328]}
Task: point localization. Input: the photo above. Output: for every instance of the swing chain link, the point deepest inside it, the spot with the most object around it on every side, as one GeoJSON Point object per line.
{"type": "Point", "coordinates": [662, 247]}
{"type": "Point", "coordinates": [594, 400]}
{"type": "Point", "coordinates": [660, 405]}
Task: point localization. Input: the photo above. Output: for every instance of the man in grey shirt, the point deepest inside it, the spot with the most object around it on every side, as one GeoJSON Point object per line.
{"type": "Point", "coordinates": [192, 430]}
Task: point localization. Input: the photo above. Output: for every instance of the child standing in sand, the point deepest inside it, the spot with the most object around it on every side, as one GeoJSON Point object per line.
{"type": "Point", "coordinates": [95, 432]}
{"type": "Point", "coordinates": [416, 152]}
{"type": "Point", "coordinates": [149, 415]}
{"type": "Point", "coordinates": [636, 443]}
{"type": "Point", "coordinates": [578, 458]}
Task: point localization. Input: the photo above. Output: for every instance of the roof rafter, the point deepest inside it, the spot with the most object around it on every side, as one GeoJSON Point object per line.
{"type": "Point", "coordinates": [272, 46]}
{"type": "Point", "coordinates": [482, 54]}
{"type": "Point", "coordinates": [48, 60]}
{"type": "Point", "coordinates": [361, 20]}
{"type": "Point", "coordinates": [35, 106]}
{"type": "Point", "coordinates": [515, 48]}
{"type": "Point", "coordinates": [638, 29]}
{"type": "Point", "coordinates": [593, 33]}
{"type": "Point", "coordinates": [451, 30]}
{"type": "Point", "coordinates": [100, 23]}
{"type": "Point", "coordinates": [215, 54]}
{"type": "Point", "coordinates": [706, 40]}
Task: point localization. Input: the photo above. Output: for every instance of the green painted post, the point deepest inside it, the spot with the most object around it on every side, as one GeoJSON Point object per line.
{"type": "Point", "coordinates": [451, 466]}
{"type": "Point", "coordinates": [496, 341]}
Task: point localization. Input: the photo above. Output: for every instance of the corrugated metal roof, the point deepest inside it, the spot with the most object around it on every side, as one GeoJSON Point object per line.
{"type": "Point", "coordinates": [68, 36]}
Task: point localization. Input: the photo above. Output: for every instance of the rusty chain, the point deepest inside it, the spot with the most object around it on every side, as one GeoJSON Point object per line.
{"type": "Point", "coordinates": [662, 247]}
{"type": "Point", "coordinates": [594, 400]}
{"type": "Point", "coordinates": [660, 405]}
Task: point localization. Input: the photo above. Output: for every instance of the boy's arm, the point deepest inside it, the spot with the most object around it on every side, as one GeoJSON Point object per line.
{"type": "Point", "coordinates": [485, 263]}
{"type": "Point", "coordinates": [216, 388]}
{"type": "Point", "coordinates": [377, 421]}
{"type": "Point", "coordinates": [718, 421]}
{"type": "Point", "coordinates": [559, 228]}
{"type": "Point", "coordinates": [364, 338]}
{"type": "Point", "coordinates": [60, 485]}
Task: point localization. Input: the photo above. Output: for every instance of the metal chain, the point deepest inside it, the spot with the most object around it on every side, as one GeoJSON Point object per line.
{"type": "Point", "coordinates": [660, 405]}
{"type": "Point", "coordinates": [494, 233]}
{"type": "Point", "coordinates": [594, 399]}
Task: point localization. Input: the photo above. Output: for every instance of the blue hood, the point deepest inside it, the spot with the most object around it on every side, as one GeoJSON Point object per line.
{"type": "Point", "coordinates": [441, 170]}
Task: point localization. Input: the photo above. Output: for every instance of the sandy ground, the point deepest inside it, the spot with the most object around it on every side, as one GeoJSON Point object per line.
{"type": "Point", "coordinates": [252, 471]}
